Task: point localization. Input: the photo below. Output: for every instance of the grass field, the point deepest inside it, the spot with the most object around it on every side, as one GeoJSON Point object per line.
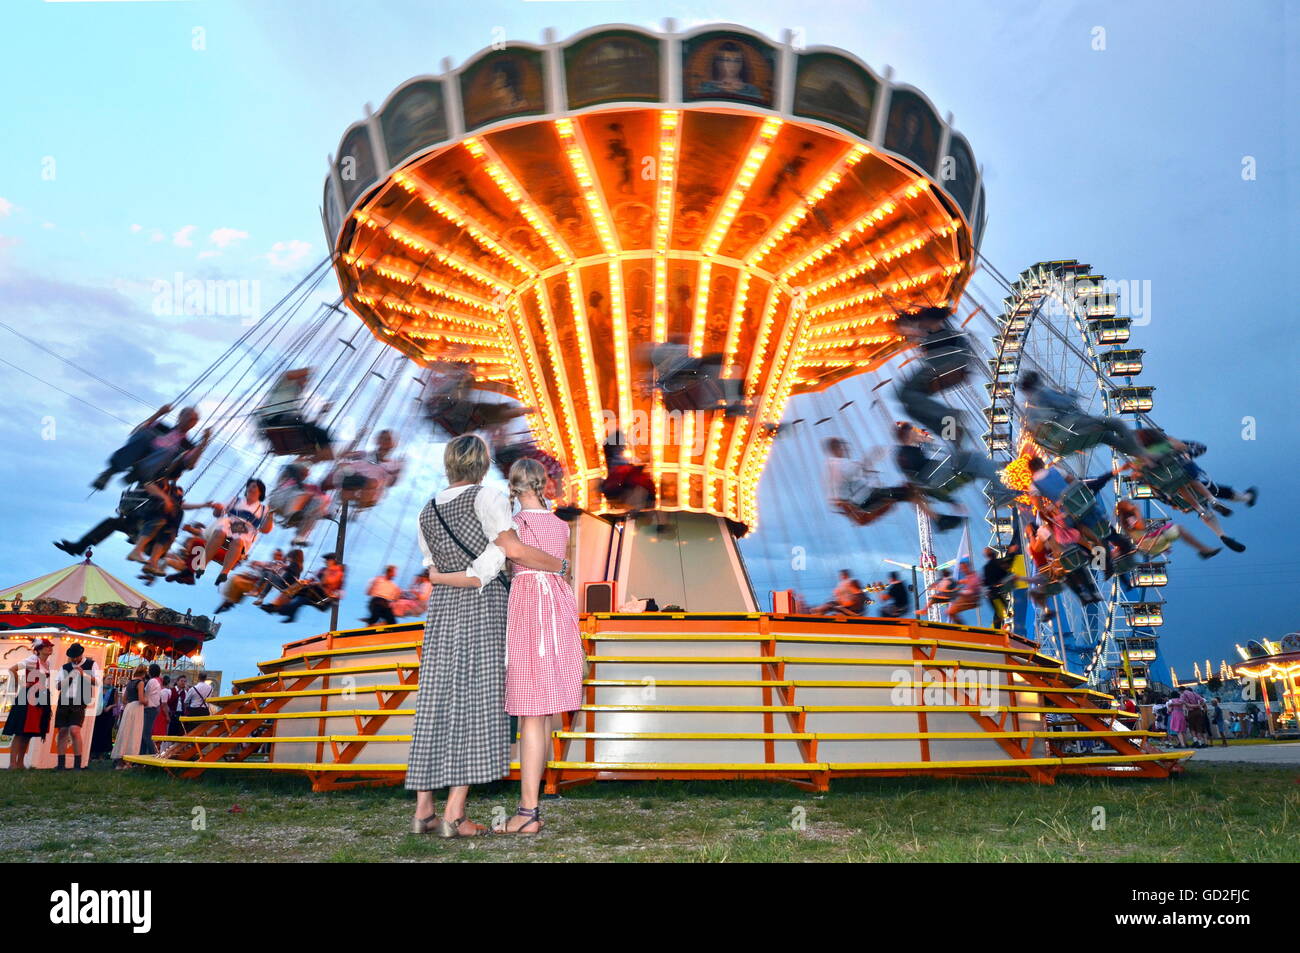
{"type": "Point", "coordinates": [1224, 813]}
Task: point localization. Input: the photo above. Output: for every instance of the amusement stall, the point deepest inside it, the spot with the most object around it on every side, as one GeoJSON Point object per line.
{"type": "Point", "coordinates": [118, 627]}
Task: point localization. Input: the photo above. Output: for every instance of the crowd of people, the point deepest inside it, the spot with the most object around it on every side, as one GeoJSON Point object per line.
{"type": "Point", "coordinates": [128, 719]}
{"type": "Point", "coordinates": [1188, 720]}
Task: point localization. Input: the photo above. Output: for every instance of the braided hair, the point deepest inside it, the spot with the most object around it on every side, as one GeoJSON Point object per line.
{"type": "Point", "coordinates": [527, 475]}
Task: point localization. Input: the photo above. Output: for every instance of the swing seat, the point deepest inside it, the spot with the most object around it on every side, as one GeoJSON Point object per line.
{"type": "Point", "coordinates": [860, 516]}
{"type": "Point", "coordinates": [692, 391]}
{"type": "Point", "coordinates": [455, 416]}
{"type": "Point", "coordinates": [291, 441]}
{"type": "Point", "coordinates": [1167, 475]}
{"type": "Point", "coordinates": [1078, 501]}
{"type": "Point", "coordinates": [1051, 588]}
{"type": "Point", "coordinates": [1073, 558]}
{"type": "Point", "coordinates": [1067, 433]}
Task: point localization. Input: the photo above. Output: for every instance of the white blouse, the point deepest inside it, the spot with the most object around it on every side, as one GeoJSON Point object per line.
{"type": "Point", "coordinates": [492, 507]}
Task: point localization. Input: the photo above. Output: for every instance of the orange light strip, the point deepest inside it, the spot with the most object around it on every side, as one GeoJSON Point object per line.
{"type": "Point", "coordinates": [854, 341]}
{"type": "Point", "coordinates": [737, 321]}
{"type": "Point", "coordinates": [622, 359]}
{"type": "Point", "coordinates": [541, 421]}
{"type": "Point", "coordinates": [666, 171]}
{"type": "Point", "coordinates": [876, 260]}
{"type": "Point", "coordinates": [428, 284]}
{"type": "Point", "coordinates": [421, 245]}
{"type": "Point", "coordinates": [457, 217]}
{"type": "Point", "coordinates": [862, 320]}
{"type": "Point", "coordinates": [758, 153]}
{"type": "Point", "coordinates": [902, 284]}
{"type": "Point", "coordinates": [797, 214]}
{"type": "Point", "coordinates": [496, 170]}
{"type": "Point", "coordinates": [714, 450]}
{"type": "Point", "coordinates": [575, 151]}
{"type": "Point", "coordinates": [772, 409]}
{"type": "Point", "coordinates": [868, 220]}
{"type": "Point", "coordinates": [577, 450]}
{"type": "Point", "coordinates": [669, 122]}
{"type": "Point", "coordinates": [581, 325]}
{"type": "Point", "coordinates": [700, 317]}
{"type": "Point", "coordinates": [416, 311]}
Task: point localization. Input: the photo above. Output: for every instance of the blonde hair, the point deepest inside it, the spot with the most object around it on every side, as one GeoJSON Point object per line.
{"type": "Point", "coordinates": [466, 459]}
{"type": "Point", "coordinates": [527, 475]}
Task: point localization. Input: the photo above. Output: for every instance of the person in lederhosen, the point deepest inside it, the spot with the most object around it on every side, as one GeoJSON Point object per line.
{"type": "Point", "coordinates": [461, 734]}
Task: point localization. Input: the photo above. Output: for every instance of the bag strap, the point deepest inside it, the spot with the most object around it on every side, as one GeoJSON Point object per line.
{"type": "Point", "coordinates": [456, 539]}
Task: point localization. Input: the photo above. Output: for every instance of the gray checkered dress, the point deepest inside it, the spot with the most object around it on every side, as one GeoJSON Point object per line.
{"type": "Point", "coordinates": [461, 733]}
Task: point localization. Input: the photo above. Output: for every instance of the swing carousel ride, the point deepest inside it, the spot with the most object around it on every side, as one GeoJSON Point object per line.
{"type": "Point", "coordinates": [666, 257]}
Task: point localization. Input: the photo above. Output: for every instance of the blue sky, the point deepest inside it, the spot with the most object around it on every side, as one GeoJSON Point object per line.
{"type": "Point", "coordinates": [148, 138]}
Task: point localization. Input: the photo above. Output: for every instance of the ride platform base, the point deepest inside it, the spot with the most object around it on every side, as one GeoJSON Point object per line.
{"type": "Point", "coordinates": [800, 699]}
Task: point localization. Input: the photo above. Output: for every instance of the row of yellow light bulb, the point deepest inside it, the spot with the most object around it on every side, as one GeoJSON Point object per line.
{"type": "Point", "coordinates": [745, 178]}
{"type": "Point", "coordinates": [868, 220]}
{"type": "Point", "coordinates": [791, 360]}
{"type": "Point", "coordinates": [586, 184]}
{"type": "Point", "coordinates": [451, 213]}
{"type": "Point", "coordinates": [874, 260]}
{"type": "Point", "coordinates": [421, 245]}
{"type": "Point", "coordinates": [666, 169]}
{"type": "Point", "coordinates": [541, 422]}
{"type": "Point", "coordinates": [796, 215]}
{"type": "Point", "coordinates": [583, 329]}
{"type": "Point", "coordinates": [416, 311]}
{"type": "Point", "coordinates": [387, 270]}
{"type": "Point", "coordinates": [506, 183]}
{"type": "Point", "coordinates": [577, 451]}
{"type": "Point", "coordinates": [900, 284]}
{"type": "Point", "coordinates": [667, 172]}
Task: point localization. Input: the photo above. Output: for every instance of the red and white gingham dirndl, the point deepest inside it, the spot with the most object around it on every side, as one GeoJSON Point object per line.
{"type": "Point", "coordinates": [544, 654]}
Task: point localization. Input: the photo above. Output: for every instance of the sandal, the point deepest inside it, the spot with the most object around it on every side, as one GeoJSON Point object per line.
{"type": "Point", "coordinates": [423, 825]}
{"type": "Point", "coordinates": [450, 829]}
{"type": "Point", "coordinates": [534, 815]}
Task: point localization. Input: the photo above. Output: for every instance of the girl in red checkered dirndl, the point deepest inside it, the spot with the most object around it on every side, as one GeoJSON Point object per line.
{"type": "Point", "coordinates": [544, 653]}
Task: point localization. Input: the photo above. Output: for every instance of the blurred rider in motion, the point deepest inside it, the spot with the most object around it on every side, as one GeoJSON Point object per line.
{"type": "Point", "coordinates": [944, 362]}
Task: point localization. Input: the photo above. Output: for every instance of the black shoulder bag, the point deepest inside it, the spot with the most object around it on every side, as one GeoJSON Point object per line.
{"type": "Point", "coordinates": [501, 576]}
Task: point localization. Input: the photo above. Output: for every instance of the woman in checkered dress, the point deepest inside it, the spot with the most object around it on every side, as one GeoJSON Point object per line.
{"type": "Point", "coordinates": [461, 733]}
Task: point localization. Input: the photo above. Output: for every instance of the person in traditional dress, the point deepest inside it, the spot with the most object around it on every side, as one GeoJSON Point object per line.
{"type": "Point", "coordinates": [461, 732]}
{"type": "Point", "coordinates": [544, 653]}
{"type": "Point", "coordinates": [30, 715]}
{"type": "Point", "coordinates": [130, 730]}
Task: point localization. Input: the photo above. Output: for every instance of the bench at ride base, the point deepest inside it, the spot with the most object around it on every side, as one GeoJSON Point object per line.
{"type": "Point", "coordinates": [801, 699]}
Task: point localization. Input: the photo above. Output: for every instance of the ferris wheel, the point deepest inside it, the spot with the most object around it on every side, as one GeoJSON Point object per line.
{"type": "Point", "coordinates": [1062, 319]}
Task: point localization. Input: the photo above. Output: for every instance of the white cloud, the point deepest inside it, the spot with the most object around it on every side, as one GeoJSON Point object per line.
{"type": "Point", "coordinates": [6, 207]}
{"type": "Point", "coordinates": [184, 237]}
{"type": "Point", "coordinates": [136, 228]}
{"type": "Point", "coordinates": [287, 254]}
{"type": "Point", "coordinates": [224, 237]}
{"type": "Point", "coordinates": [209, 253]}
{"type": "Point", "coordinates": [47, 225]}
{"type": "Point", "coordinates": [157, 236]}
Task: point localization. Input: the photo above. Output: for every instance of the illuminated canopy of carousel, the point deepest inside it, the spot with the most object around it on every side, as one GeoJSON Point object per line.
{"type": "Point", "coordinates": [548, 212]}
{"type": "Point", "coordinates": [85, 598]}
